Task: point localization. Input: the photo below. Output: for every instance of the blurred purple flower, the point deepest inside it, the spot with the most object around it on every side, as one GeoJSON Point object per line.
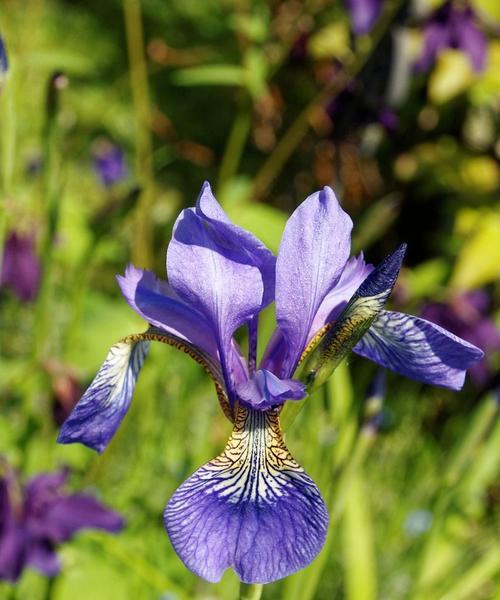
{"type": "Point", "coordinates": [4, 63]}
{"type": "Point", "coordinates": [466, 315]}
{"type": "Point", "coordinates": [37, 517]}
{"type": "Point", "coordinates": [364, 14]}
{"type": "Point", "coordinates": [21, 269]}
{"type": "Point", "coordinates": [109, 163]}
{"type": "Point", "coordinates": [453, 25]}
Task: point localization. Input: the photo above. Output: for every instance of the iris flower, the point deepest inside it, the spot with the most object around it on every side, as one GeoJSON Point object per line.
{"type": "Point", "coordinates": [364, 14]}
{"type": "Point", "coordinates": [109, 163]}
{"type": "Point", "coordinates": [453, 25]}
{"type": "Point", "coordinates": [254, 508]}
{"type": "Point", "coordinates": [21, 269]}
{"type": "Point", "coordinates": [37, 517]}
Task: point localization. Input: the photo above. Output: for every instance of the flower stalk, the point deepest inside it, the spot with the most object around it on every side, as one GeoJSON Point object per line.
{"type": "Point", "coordinates": [251, 591]}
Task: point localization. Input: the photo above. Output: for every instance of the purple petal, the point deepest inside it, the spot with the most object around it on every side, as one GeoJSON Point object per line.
{"type": "Point", "coordinates": [436, 37]}
{"type": "Point", "coordinates": [312, 254]}
{"type": "Point", "coordinates": [96, 417]}
{"type": "Point", "coordinates": [355, 272]}
{"type": "Point", "coordinates": [418, 349]}
{"type": "Point", "coordinates": [265, 390]}
{"type": "Point", "coordinates": [221, 270]}
{"type": "Point", "coordinates": [42, 557]}
{"type": "Point", "coordinates": [60, 519]}
{"type": "Point", "coordinates": [156, 302]}
{"type": "Point", "coordinates": [21, 270]}
{"type": "Point", "coordinates": [253, 508]}
{"type": "Point", "coordinates": [471, 40]}
{"type": "Point", "coordinates": [13, 540]}
{"type": "Point", "coordinates": [364, 14]}
{"type": "Point", "coordinates": [330, 346]}
{"type": "Point", "coordinates": [109, 163]}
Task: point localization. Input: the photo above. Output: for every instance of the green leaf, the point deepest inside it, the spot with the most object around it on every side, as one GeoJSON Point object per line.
{"type": "Point", "coordinates": [221, 74]}
{"type": "Point", "coordinates": [358, 544]}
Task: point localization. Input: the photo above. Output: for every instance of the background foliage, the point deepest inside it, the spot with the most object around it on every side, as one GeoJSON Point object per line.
{"type": "Point", "coordinates": [269, 101]}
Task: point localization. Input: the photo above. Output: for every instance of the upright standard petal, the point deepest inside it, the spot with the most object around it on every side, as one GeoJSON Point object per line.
{"type": "Point", "coordinates": [219, 269]}
{"type": "Point", "coordinates": [337, 339]}
{"type": "Point", "coordinates": [354, 273]}
{"type": "Point", "coordinates": [312, 255]}
{"type": "Point", "coordinates": [253, 508]}
{"type": "Point", "coordinates": [156, 302]}
{"type": "Point", "coordinates": [418, 349]}
{"type": "Point", "coordinates": [96, 417]}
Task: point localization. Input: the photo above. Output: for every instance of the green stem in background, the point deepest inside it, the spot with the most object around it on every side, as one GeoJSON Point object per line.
{"type": "Point", "coordinates": [8, 128]}
{"type": "Point", "coordinates": [51, 199]}
{"type": "Point", "coordinates": [235, 144]}
{"type": "Point", "coordinates": [251, 591]}
{"type": "Point", "coordinates": [298, 129]}
{"type": "Point", "coordinates": [143, 239]}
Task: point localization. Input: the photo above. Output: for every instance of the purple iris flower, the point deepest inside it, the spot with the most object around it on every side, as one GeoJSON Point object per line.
{"type": "Point", "coordinates": [4, 63]}
{"type": "Point", "coordinates": [453, 25]}
{"type": "Point", "coordinates": [109, 163]}
{"type": "Point", "coordinates": [35, 518]}
{"type": "Point", "coordinates": [253, 508]}
{"type": "Point", "coordinates": [466, 315]}
{"type": "Point", "coordinates": [21, 268]}
{"type": "Point", "coordinates": [364, 14]}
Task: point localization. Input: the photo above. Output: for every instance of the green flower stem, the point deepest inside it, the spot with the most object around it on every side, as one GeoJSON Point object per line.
{"type": "Point", "coordinates": [251, 591]}
{"type": "Point", "coordinates": [51, 197]}
{"type": "Point", "coordinates": [143, 242]}
{"type": "Point", "coordinates": [299, 128]}
{"type": "Point", "coordinates": [235, 144]}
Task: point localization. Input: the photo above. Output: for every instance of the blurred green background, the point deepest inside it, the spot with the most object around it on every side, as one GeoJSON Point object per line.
{"type": "Point", "coordinates": [269, 101]}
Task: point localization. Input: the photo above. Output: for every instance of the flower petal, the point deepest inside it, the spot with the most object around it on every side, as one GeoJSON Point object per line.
{"type": "Point", "coordinates": [42, 557]}
{"type": "Point", "coordinates": [96, 417]}
{"type": "Point", "coordinates": [335, 340]}
{"type": "Point", "coordinates": [264, 390]}
{"type": "Point", "coordinates": [13, 541]}
{"type": "Point", "coordinates": [66, 515]}
{"type": "Point", "coordinates": [220, 270]}
{"type": "Point", "coordinates": [312, 254]}
{"type": "Point", "coordinates": [364, 14]}
{"type": "Point", "coordinates": [253, 508]}
{"type": "Point", "coordinates": [98, 414]}
{"type": "Point", "coordinates": [355, 272]}
{"type": "Point", "coordinates": [418, 349]}
{"type": "Point", "coordinates": [156, 302]}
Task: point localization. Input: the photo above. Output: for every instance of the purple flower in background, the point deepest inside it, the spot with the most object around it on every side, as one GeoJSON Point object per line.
{"type": "Point", "coordinates": [4, 63]}
{"type": "Point", "coordinates": [453, 25]}
{"type": "Point", "coordinates": [364, 14]}
{"type": "Point", "coordinates": [36, 518]}
{"type": "Point", "coordinates": [253, 508]}
{"type": "Point", "coordinates": [109, 163]}
{"type": "Point", "coordinates": [466, 315]}
{"type": "Point", "coordinates": [21, 269]}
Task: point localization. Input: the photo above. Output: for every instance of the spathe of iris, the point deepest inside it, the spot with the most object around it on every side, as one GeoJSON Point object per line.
{"type": "Point", "coordinates": [254, 508]}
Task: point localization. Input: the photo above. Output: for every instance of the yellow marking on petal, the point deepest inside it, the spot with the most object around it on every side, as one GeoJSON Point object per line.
{"type": "Point", "coordinates": [255, 465]}
{"type": "Point", "coordinates": [202, 358]}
